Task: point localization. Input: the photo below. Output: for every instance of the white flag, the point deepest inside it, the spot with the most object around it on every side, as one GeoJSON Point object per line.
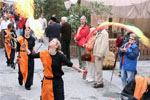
{"type": "Point", "coordinates": [73, 1]}
{"type": "Point", "coordinates": [67, 4]}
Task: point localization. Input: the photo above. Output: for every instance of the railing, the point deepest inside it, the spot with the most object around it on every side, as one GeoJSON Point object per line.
{"type": "Point", "coordinates": [144, 52]}
{"type": "Point", "coordinates": [112, 46]}
{"type": "Point", "coordinates": [73, 50]}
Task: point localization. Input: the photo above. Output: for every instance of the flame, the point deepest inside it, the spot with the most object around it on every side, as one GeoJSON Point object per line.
{"type": "Point", "coordinates": [26, 9]}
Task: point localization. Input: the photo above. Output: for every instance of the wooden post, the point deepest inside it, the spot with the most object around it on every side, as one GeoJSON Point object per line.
{"type": "Point", "coordinates": [110, 29]}
{"type": "Point", "coordinates": [79, 3]}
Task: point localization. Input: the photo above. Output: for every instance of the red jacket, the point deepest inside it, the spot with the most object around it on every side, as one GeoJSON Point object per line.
{"type": "Point", "coordinates": [13, 16]}
{"type": "Point", "coordinates": [24, 21]}
{"type": "Point", "coordinates": [83, 33]}
{"type": "Point", "coordinates": [20, 23]}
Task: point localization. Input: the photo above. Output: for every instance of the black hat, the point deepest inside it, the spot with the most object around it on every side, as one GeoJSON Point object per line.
{"type": "Point", "coordinates": [53, 19]}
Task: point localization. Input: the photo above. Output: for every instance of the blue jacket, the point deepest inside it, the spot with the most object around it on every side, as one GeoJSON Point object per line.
{"type": "Point", "coordinates": [130, 57]}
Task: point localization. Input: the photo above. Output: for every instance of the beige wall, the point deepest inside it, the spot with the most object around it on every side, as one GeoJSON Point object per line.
{"type": "Point", "coordinates": [143, 24]}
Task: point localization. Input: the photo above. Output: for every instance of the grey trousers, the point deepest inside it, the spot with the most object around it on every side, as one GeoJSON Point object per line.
{"type": "Point", "coordinates": [81, 51]}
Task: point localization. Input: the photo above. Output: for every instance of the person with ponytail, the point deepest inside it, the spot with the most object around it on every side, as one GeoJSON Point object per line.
{"type": "Point", "coordinates": [52, 60]}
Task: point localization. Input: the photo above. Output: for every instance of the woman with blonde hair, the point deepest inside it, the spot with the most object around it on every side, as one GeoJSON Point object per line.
{"type": "Point", "coordinates": [129, 53]}
{"type": "Point", "coordinates": [90, 64]}
{"type": "Point", "coordinates": [52, 60]}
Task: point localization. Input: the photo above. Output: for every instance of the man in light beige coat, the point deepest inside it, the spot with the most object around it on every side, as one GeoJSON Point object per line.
{"type": "Point", "coordinates": [100, 50]}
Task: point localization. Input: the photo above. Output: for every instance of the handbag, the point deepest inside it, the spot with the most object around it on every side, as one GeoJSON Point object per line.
{"type": "Point", "coordinates": [86, 57]}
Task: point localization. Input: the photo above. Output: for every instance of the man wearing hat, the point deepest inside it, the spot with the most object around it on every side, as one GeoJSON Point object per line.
{"type": "Point", "coordinates": [53, 29]}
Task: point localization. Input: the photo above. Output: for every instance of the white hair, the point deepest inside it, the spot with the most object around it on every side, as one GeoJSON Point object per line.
{"type": "Point", "coordinates": [134, 36]}
{"type": "Point", "coordinates": [84, 17]}
{"type": "Point", "coordinates": [64, 18]}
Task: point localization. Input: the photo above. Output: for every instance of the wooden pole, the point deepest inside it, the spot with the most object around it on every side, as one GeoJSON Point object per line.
{"type": "Point", "coordinates": [79, 4]}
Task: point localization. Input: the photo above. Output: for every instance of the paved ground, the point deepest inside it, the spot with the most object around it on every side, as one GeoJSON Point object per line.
{"type": "Point", "coordinates": [75, 87]}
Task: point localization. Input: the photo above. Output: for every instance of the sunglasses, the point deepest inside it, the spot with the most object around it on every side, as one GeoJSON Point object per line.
{"type": "Point", "coordinates": [131, 38]}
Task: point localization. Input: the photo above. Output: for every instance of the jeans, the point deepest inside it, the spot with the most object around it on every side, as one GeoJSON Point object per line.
{"type": "Point", "coordinates": [127, 76]}
{"type": "Point", "coordinates": [20, 30]}
{"type": "Point", "coordinates": [16, 22]}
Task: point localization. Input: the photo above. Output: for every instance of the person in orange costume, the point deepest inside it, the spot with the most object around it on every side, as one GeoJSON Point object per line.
{"type": "Point", "coordinates": [137, 89]}
{"type": "Point", "coordinates": [9, 49]}
{"type": "Point", "coordinates": [26, 64]}
{"type": "Point", "coordinates": [52, 60]}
